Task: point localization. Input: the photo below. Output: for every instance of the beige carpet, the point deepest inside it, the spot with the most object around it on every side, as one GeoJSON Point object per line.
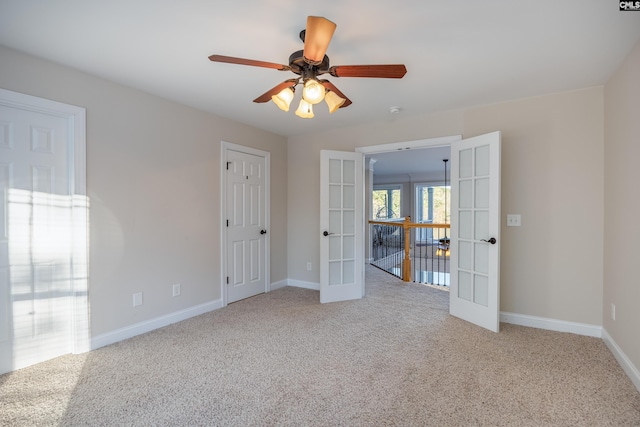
{"type": "Point", "coordinates": [394, 358]}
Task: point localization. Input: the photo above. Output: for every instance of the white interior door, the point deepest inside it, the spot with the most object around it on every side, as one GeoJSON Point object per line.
{"type": "Point", "coordinates": [40, 233]}
{"type": "Point", "coordinates": [247, 239]}
{"type": "Point", "coordinates": [341, 226]}
{"type": "Point", "coordinates": [475, 230]}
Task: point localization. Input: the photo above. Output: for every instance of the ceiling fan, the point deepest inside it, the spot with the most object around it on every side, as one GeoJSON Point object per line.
{"type": "Point", "coordinates": [310, 63]}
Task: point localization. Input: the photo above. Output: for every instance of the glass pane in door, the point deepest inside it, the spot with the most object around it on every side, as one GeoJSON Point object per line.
{"type": "Point", "coordinates": [349, 174]}
{"type": "Point", "coordinates": [466, 163]}
{"type": "Point", "coordinates": [335, 171]}
{"type": "Point", "coordinates": [482, 160]}
{"type": "Point", "coordinates": [481, 290]}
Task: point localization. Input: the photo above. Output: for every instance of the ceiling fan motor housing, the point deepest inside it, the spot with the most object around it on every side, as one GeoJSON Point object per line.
{"type": "Point", "coordinates": [299, 66]}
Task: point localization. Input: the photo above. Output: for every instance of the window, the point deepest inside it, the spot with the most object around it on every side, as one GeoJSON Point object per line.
{"type": "Point", "coordinates": [386, 202]}
{"type": "Point", "coordinates": [433, 206]}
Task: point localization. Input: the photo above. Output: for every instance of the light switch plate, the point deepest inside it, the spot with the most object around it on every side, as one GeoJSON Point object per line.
{"type": "Point", "coordinates": [514, 220]}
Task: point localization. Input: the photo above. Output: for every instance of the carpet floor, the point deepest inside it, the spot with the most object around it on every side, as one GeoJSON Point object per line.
{"type": "Point", "coordinates": [394, 358]}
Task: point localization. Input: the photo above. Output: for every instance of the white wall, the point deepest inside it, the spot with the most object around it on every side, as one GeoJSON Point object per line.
{"type": "Point", "coordinates": [552, 175]}
{"type": "Point", "coordinates": [622, 225]}
{"type": "Point", "coordinates": [153, 180]}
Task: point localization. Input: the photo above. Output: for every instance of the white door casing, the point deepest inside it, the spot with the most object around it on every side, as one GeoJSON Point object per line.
{"type": "Point", "coordinates": [43, 231]}
{"type": "Point", "coordinates": [475, 221]}
{"type": "Point", "coordinates": [245, 253]}
{"type": "Point", "coordinates": [341, 226]}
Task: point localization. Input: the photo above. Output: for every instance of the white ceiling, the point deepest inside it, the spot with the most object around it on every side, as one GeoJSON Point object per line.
{"type": "Point", "coordinates": [457, 53]}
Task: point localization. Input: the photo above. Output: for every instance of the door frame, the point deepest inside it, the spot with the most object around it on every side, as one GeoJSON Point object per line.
{"type": "Point", "coordinates": [77, 160]}
{"type": "Point", "coordinates": [225, 147]}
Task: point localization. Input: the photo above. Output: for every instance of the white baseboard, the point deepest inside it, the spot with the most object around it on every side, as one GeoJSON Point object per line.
{"type": "Point", "coordinates": [303, 284]}
{"type": "Point", "coordinates": [551, 324]}
{"type": "Point", "coordinates": [627, 366]}
{"type": "Point", "coordinates": [149, 325]}
{"type": "Point", "coordinates": [278, 285]}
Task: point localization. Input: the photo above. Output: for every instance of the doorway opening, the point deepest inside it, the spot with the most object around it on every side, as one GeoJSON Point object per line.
{"type": "Point", "coordinates": [417, 190]}
{"type": "Point", "coordinates": [475, 230]}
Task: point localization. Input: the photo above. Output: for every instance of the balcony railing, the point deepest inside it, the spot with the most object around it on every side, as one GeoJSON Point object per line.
{"type": "Point", "coordinates": [412, 251]}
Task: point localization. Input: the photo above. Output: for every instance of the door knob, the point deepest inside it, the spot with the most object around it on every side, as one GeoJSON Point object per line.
{"type": "Point", "coordinates": [263, 231]}
{"type": "Point", "coordinates": [491, 240]}
{"type": "Point", "coordinates": [326, 233]}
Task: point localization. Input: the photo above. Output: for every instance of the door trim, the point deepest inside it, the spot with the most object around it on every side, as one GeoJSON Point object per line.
{"type": "Point", "coordinates": [408, 145]}
{"type": "Point", "coordinates": [77, 160]}
{"type": "Point", "coordinates": [225, 147]}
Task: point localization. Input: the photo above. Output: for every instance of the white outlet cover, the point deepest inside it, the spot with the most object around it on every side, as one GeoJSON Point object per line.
{"type": "Point", "coordinates": [514, 220]}
{"type": "Point", "coordinates": [137, 299]}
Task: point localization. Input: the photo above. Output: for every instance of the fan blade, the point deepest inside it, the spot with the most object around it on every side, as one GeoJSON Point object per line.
{"type": "Point", "coordinates": [317, 38]}
{"type": "Point", "coordinates": [392, 71]}
{"type": "Point", "coordinates": [242, 61]}
{"type": "Point", "coordinates": [266, 97]}
{"type": "Point", "coordinates": [329, 86]}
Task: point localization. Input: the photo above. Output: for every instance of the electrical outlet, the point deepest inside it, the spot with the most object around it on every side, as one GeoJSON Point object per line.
{"type": "Point", "coordinates": [514, 220]}
{"type": "Point", "coordinates": [308, 266]}
{"type": "Point", "coordinates": [613, 312]}
{"type": "Point", "coordinates": [176, 289]}
{"type": "Point", "coordinates": [137, 299]}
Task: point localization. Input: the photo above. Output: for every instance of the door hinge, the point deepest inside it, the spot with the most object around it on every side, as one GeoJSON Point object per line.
{"type": "Point", "coordinates": [228, 163]}
{"type": "Point", "coordinates": [227, 223]}
{"type": "Point", "coordinates": [227, 280]}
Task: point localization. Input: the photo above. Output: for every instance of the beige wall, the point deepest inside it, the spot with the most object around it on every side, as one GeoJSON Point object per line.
{"type": "Point", "coordinates": [552, 175]}
{"type": "Point", "coordinates": [622, 205]}
{"type": "Point", "coordinates": [153, 179]}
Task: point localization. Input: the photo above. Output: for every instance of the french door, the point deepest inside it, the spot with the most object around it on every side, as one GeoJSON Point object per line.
{"type": "Point", "coordinates": [341, 226]}
{"type": "Point", "coordinates": [475, 230]}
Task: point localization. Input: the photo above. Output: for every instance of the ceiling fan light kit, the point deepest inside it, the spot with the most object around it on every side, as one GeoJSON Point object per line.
{"type": "Point", "coordinates": [310, 63]}
{"type": "Point", "coordinates": [313, 91]}
{"type": "Point", "coordinates": [333, 101]}
{"type": "Point", "coordinates": [283, 98]}
{"type": "Point", "coordinates": [305, 110]}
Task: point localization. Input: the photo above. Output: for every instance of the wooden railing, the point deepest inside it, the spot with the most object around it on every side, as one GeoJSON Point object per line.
{"type": "Point", "coordinates": [394, 240]}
